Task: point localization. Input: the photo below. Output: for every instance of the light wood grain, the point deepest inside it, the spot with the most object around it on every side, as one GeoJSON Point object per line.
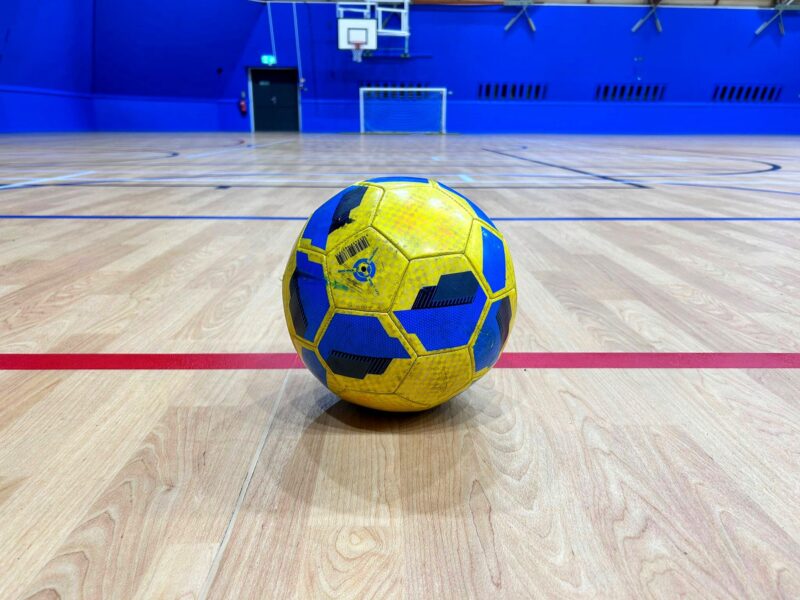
{"type": "Point", "coordinates": [532, 484]}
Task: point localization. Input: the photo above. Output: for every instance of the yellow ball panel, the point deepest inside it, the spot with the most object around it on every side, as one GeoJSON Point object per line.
{"type": "Point", "coordinates": [299, 346]}
{"type": "Point", "coordinates": [436, 378]}
{"type": "Point", "coordinates": [511, 276]}
{"type": "Point", "coordinates": [512, 296]}
{"type": "Point", "coordinates": [461, 201]}
{"type": "Point", "coordinates": [365, 271]}
{"type": "Point", "coordinates": [388, 402]}
{"type": "Point", "coordinates": [422, 220]}
{"type": "Point", "coordinates": [358, 217]}
{"type": "Point", "coordinates": [287, 275]}
{"type": "Point", "coordinates": [387, 381]}
{"type": "Point", "coordinates": [423, 272]}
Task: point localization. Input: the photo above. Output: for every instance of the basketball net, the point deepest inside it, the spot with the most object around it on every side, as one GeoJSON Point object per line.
{"type": "Point", "coordinates": [357, 52]}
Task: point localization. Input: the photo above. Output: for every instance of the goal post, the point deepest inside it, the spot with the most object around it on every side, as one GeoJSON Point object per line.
{"type": "Point", "coordinates": [402, 109]}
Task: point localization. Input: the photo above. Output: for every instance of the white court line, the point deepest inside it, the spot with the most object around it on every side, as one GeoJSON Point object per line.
{"type": "Point", "coordinates": [225, 150]}
{"type": "Point", "coordinates": [9, 186]}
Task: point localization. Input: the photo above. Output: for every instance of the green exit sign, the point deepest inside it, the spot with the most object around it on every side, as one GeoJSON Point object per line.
{"type": "Point", "coordinates": [269, 59]}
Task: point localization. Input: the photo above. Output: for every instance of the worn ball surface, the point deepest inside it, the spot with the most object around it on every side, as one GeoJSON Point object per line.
{"type": "Point", "coordinates": [399, 293]}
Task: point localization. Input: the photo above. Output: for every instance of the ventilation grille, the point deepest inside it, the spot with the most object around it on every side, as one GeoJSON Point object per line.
{"type": "Point", "coordinates": [612, 92]}
{"type": "Point", "coordinates": [746, 93]}
{"type": "Point", "coordinates": [400, 93]}
{"type": "Point", "coordinates": [512, 91]}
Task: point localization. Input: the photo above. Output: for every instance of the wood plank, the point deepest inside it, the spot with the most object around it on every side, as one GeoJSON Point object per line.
{"type": "Point", "coordinates": [175, 491]}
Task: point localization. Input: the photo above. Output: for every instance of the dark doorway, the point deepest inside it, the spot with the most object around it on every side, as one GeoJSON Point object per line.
{"type": "Point", "coordinates": [274, 99]}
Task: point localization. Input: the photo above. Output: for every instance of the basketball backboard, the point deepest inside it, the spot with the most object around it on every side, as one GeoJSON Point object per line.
{"type": "Point", "coordinates": [358, 34]}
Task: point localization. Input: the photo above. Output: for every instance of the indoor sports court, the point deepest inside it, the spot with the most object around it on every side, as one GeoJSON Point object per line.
{"type": "Point", "coordinates": [399, 300]}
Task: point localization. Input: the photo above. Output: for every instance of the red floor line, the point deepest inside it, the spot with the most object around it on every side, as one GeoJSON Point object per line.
{"type": "Point", "coordinates": [509, 360]}
{"type": "Point", "coordinates": [649, 360]}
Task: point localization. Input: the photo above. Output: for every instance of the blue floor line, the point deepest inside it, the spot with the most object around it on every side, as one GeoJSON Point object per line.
{"type": "Point", "coordinates": [290, 218]}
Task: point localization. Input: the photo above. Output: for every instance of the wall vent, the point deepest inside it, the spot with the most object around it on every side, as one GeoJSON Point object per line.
{"type": "Point", "coordinates": [629, 92]}
{"type": "Point", "coordinates": [746, 93]}
{"type": "Point", "coordinates": [512, 91]}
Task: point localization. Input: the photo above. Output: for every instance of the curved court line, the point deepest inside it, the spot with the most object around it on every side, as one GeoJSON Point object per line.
{"type": "Point", "coordinates": [242, 146]}
{"type": "Point", "coordinates": [162, 155]}
{"type": "Point", "coordinates": [509, 360]}
{"type": "Point", "coordinates": [774, 166]}
{"type": "Point", "coordinates": [771, 166]}
{"type": "Point", "coordinates": [218, 149]}
{"type": "Point", "coordinates": [76, 164]}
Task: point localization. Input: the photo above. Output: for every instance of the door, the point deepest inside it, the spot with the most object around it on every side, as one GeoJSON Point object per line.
{"type": "Point", "coordinates": [275, 99]}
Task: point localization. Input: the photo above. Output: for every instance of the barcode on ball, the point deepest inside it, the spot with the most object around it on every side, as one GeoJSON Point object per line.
{"type": "Point", "coordinates": [350, 251]}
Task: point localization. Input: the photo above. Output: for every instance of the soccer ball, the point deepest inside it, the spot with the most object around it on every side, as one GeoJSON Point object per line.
{"type": "Point", "coordinates": [399, 293]}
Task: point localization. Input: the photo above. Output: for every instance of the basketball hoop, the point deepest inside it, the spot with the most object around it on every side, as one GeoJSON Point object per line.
{"type": "Point", "coordinates": [357, 52]}
{"type": "Point", "coordinates": [357, 35]}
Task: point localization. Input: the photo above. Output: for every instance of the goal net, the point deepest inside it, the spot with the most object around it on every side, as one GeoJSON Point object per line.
{"type": "Point", "coordinates": [402, 110]}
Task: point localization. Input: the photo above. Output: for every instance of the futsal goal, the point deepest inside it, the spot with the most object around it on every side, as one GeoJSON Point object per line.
{"type": "Point", "coordinates": [402, 109]}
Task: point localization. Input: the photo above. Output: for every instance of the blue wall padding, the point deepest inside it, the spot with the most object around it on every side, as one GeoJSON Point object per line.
{"type": "Point", "coordinates": [181, 65]}
{"type": "Point", "coordinates": [35, 110]}
{"type": "Point", "coordinates": [130, 113]}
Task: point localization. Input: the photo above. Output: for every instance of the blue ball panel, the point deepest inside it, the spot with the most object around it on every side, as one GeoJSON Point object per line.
{"type": "Point", "coordinates": [358, 345]}
{"type": "Point", "coordinates": [308, 297]}
{"type": "Point", "coordinates": [448, 323]}
{"type": "Point", "coordinates": [312, 362]}
{"type": "Point", "coordinates": [349, 200]}
{"type": "Point", "coordinates": [453, 289]}
{"type": "Point", "coordinates": [494, 260]}
{"type": "Point", "coordinates": [333, 214]}
{"type": "Point", "coordinates": [493, 334]}
{"type": "Point", "coordinates": [397, 179]}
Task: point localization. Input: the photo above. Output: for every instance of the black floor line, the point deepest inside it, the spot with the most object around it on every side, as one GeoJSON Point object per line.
{"type": "Point", "coordinates": [570, 169]}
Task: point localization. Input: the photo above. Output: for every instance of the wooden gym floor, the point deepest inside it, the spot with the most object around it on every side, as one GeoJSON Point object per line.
{"type": "Point", "coordinates": [152, 481]}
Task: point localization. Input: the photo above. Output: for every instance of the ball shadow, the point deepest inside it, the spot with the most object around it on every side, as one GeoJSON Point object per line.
{"type": "Point", "coordinates": [371, 462]}
{"type": "Point", "coordinates": [346, 416]}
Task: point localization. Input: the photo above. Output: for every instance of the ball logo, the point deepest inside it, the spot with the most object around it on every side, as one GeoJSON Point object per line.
{"type": "Point", "coordinates": [364, 269]}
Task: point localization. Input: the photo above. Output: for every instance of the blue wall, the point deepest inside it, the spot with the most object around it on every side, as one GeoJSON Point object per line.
{"type": "Point", "coordinates": [192, 62]}
{"type": "Point", "coordinates": [575, 49]}
{"type": "Point", "coordinates": [45, 65]}
{"type": "Point", "coordinates": [181, 65]}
